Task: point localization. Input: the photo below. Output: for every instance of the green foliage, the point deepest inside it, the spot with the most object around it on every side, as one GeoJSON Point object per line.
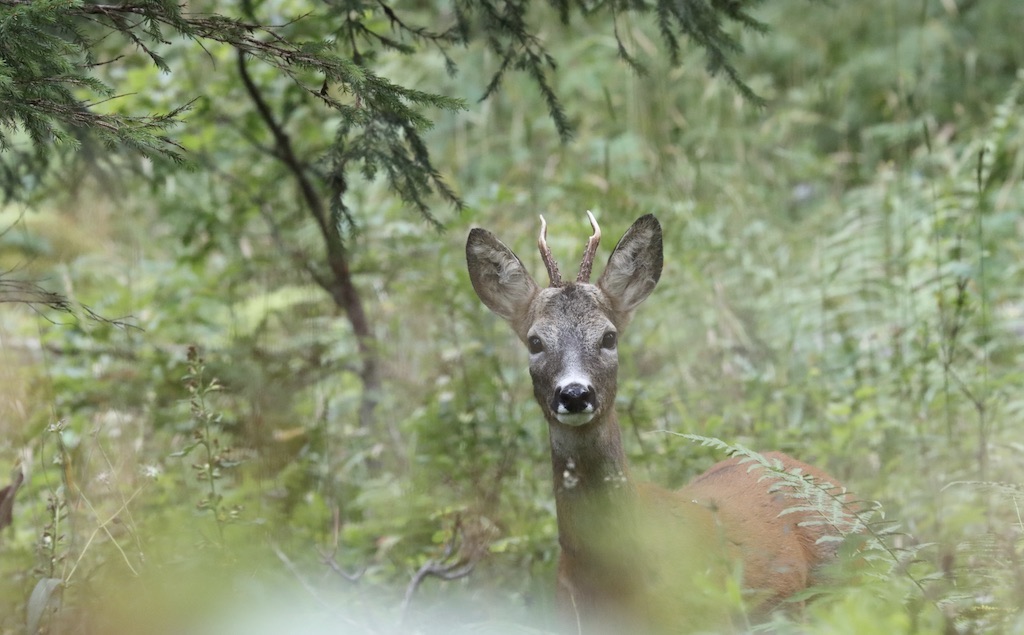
{"type": "Point", "coordinates": [51, 67]}
{"type": "Point", "coordinates": [842, 283]}
{"type": "Point", "coordinates": [44, 62]}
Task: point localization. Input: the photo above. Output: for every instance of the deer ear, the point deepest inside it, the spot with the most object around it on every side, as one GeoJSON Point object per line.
{"type": "Point", "coordinates": [634, 266]}
{"type": "Point", "coordinates": [498, 276]}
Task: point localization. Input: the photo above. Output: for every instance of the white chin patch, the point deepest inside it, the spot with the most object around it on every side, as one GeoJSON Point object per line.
{"type": "Point", "coordinates": [574, 419]}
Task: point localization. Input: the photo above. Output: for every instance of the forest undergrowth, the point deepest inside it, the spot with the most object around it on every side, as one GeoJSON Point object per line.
{"type": "Point", "coordinates": [844, 281]}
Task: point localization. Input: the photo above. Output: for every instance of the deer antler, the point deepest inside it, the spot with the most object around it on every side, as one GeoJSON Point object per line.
{"type": "Point", "coordinates": [545, 253]}
{"type": "Point", "coordinates": [588, 255]}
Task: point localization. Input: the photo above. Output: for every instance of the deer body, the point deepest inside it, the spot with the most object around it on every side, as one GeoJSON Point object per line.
{"type": "Point", "coordinates": [632, 551]}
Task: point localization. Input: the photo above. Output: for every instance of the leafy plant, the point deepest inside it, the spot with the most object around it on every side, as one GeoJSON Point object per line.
{"type": "Point", "coordinates": [206, 431]}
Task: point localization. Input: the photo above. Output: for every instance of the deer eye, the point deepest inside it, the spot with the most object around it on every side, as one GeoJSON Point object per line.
{"type": "Point", "coordinates": [609, 340]}
{"type": "Point", "coordinates": [535, 345]}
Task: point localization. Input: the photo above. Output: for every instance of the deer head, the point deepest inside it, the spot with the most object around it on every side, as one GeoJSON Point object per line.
{"type": "Point", "coordinates": [570, 329]}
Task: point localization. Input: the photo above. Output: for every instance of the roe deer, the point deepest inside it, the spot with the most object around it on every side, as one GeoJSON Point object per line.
{"type": "Point", "coordinates": [632, 553]}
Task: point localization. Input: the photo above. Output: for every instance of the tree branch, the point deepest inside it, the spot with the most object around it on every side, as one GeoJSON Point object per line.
{"type": "Point", "coordinates": [339, 284]}
{"type": "Point", "coordinates": [31, 294]}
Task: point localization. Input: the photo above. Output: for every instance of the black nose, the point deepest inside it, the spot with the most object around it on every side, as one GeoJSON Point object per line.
{"type": "Point", "coordinates": [574, 398]}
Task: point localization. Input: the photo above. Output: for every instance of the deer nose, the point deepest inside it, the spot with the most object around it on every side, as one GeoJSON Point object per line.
{"type": "Point", "coordinates": [574, 399]}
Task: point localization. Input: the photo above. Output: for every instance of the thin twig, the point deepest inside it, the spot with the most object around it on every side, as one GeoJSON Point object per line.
{"type": "Point", "coordinates": [443, 568]}
{"type": "Point", "coordinates": [328, 559]}
{"type": "Point", "coordinates": [33, 295]}
{"type": "Point", "coordinates": [294, 570]}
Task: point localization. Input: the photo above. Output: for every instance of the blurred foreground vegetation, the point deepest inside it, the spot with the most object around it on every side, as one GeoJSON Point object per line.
{"type": "Point", "coordinates": [844, 281]}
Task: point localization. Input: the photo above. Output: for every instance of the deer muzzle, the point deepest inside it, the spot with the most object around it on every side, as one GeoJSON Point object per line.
{"type": "Point", "coordinates": [574, 404]}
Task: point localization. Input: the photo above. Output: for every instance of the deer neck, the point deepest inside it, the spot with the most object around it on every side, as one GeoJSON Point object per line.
{"type": "Point", "coordinates": [593, 488]}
